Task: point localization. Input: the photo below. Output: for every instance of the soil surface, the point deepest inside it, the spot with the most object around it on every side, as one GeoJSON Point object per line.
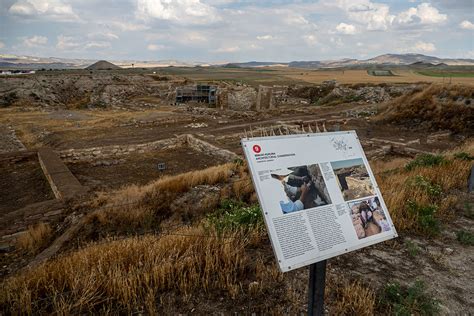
{"type": "Point", "coordinates": [140, 168]}
{"type": "Point", "coordinates": [22, 183]}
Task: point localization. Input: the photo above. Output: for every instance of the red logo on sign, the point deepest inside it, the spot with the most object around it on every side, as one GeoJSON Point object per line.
{"type": "Point", "coordinates": [257, 149]}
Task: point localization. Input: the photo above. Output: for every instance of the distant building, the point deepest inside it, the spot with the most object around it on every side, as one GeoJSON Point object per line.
{"type": "Point", "coordinates": [17, 72]}
{"type": "Point", "coordinates": [196, 93]}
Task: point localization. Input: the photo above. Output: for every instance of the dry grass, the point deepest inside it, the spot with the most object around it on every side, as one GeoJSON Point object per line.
{"type": "Point", "coordinates": [433, 107]}
{"type": "Point", "coordinates": [130, 273]}
{"type": "Point", "coordinates": [142, 207]}
{"type": "Point", "coordinates": [35, 238]}
{"type": "Point", "coordinates": [351, 298]}
{"type": "Point", "coordinates": [396, 185]}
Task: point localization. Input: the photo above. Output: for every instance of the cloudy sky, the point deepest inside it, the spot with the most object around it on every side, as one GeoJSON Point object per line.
{"type": "Point", "coordinates": [235, 30]}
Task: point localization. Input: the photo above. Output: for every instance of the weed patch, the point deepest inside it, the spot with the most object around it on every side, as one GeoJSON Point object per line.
{"type": "Point", "coordinates": [465, 237]}
{"type": "Point", "coordinates": [463, 156]}
{"type": "Point", "coordinates": [412, 248]}
{"type": "Point", "coordinates": [426, 219]}
{"type": "Point", "coordinates": [425, 160]}
{"type": "Point", "coordinates": [406, 301]}
{"type": "Point", "coordinates": [432, 189]}
{"type": "Point", "coordinates": [234, 215]}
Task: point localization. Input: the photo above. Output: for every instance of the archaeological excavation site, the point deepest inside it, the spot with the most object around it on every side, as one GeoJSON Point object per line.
{"type": "Point", "coordinates": [126, 191]}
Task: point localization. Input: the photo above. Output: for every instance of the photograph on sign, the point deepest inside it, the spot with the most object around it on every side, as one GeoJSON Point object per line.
{"type": "Point", "coordinates": [318, 195]}
{"type": "Point", "coordinates": [353, 178]}
{"type": "Point", "coordinates": [300, 188]}
{"type": "Point", "coordinates": [368, 217]}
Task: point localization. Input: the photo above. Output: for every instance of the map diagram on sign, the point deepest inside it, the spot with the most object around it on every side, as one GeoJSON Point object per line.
{"type": "Point", "coordinates": [341, 145]}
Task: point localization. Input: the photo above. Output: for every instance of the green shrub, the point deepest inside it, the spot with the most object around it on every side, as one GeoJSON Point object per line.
{"type": "Point", "coordinates": [465, 237]}
{"type": "Point", "coordinates": [412, 248]}
{"type": "Point", "coordinates": [8, 99]}
{"type": "Point", "coordinates": [469, 212]}
{"type": "Point", "coordinates": [406, 301]}
{"type": "Point", "coordinates": [463, 156]}
{"type": "Point", "coordinates": [433, 189]}
{"type": "Point", "coordinates": [425, 160]}
{"type": "Point", "coordinates": [235, 215]}
{"type": "Point", "coordinates": [426, 219]}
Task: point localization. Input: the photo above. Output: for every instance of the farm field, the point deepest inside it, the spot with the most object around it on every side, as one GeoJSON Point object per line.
{"type": "Point", "coordinates": [285, 75]}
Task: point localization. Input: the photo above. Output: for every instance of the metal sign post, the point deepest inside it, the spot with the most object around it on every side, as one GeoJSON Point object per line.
{"type": "Point", "coordinates": [317, 285]}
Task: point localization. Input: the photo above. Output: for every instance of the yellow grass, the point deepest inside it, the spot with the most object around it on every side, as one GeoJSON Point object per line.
{"type": "Point", "coordinates": [137, 206]}
{"type": "Point", "coordinates": [35, 238]}
{"type": "Point", "coordinates": [397, 190]}
{"type": "Point", "coordinates": [130, 273]}
{"type": "Point", "coordinates": [352, 298]}
{"type": "Point", "coordinates": [432, 107]}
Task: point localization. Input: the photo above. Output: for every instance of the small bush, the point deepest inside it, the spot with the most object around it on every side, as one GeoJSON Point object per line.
{"type": "Point", "coordinates": [413, 249]}
{"type": "Point", "coordinates": [463, 156]}
{"type": "Point", "coordinates": [235, 215]}
{"type": "Point", "coordinates": [469, 212]}
{"type": "Point", "coordinates": [465, 237]}
{"type": "Point", "coordinates": [426, 219]}
{"type": "Point", "coordinates": [36, 238]}
{"type": "Point", "coordinates": [8, 99]}
{"type": "Point", "coordinates": [433, 189]}
{"type": "Point", "coordinates": [412, 300]}
{"type": "Point", "coordinates": [425, 160]}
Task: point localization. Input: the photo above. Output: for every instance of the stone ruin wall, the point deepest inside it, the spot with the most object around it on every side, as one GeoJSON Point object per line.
{"type": "Point", "coordinates": [119, 151]}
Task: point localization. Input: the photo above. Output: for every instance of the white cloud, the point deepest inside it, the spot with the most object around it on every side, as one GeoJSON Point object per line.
{"type": "Point", "coordinates": [376, 16]}
{"type": "Point", "coordinates": [103, 36]}
{"type": "Point", "coordinates": [99, 44]}
{"type": "Point", "coordinates": [70, 43]}
{"type": "Point", "coordinates": [178, 11]}
{"type": "Point", "coordinates": [423, 13]}
{"type": "Point", "coordinates": [266, 37]}
{"type": "Point", "coordinates": [344, 28]}
{"type": "Point", "coordinates": [155, 47]}
{"type": "Point", "coordinates": [2, 44]}
{"type": "Point", "coordinates": [310, 39]}
{"type": "Point", "coordinates": [467, 25]}
{"type": "Point", "coordinates": [52, 9]}
{"type": "Point", "coordinates": [67, 43]}
{"type": "Point", "coordinates": [227, 49]}
{"type": "Point", "coordinates": [127, 26]}
{"type": "Point", "coordinates": [35, 41]}
{"type": "Point", "coordinates": [424, 47]}
{"type": "Point", "coordinates": [195, 37]}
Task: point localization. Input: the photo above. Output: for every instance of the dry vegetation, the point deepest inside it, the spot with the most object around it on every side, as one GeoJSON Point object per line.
{"type": "Point", "coordinates": [150, 273]}
{"type": "Point", "coordinates": [210, 254]}
{"type": "Point", "coordinates": [419, 196]}
{"type": "Point", "coordinates": [144, 206]}
{"type": "Point", "coordinates": [35, 238]}
{"type": "Point", "coordinates": [435, 107]}
{"type": "Point", "coordinates": [130, 273]}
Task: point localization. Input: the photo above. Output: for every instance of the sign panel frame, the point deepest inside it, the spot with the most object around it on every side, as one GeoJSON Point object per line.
{"type": "Point", "coordinates": [345, 143]}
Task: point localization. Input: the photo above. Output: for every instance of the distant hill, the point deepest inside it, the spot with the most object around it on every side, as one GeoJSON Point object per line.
{"type": "Point", "coordinates": [387, 59]}
{"type": "Point", "coordinates": [255, 64]}
{"type": "Point", "coordinates": [102, 65]}
{"type": "Point", "coordinates": [417, 60]}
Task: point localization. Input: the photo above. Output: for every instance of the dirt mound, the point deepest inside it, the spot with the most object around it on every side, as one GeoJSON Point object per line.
{"type": "Point", "coordinates": [436, 107]}
{"type": "Point", "coordinates": [103, 65]}
{"type": "Point", "coordinates": [81, 89]}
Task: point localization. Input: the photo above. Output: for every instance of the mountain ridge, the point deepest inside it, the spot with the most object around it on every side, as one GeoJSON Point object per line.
{"type": "Point", "coordinates": [14, 61]}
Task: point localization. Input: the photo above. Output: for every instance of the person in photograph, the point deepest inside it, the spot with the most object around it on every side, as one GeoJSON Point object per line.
{"type": "Point", "coordinates": [304, 188]}
{"type": "Point", "coordinates": [292, 197]}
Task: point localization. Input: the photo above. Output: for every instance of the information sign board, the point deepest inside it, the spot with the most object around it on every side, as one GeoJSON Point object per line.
{"type": "Point", "coordinates": [318, 195]}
